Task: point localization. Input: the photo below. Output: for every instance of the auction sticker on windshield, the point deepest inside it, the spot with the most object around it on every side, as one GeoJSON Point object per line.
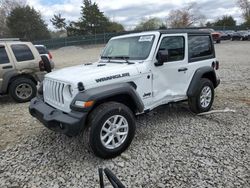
{"type": "Point", "coordinates": [146, 38]}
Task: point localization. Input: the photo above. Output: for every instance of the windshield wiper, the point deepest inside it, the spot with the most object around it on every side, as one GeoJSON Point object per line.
{"type": "Point", "coordinates": [106, 57]}
{"type": "Point", "coordinates": [126, 58]}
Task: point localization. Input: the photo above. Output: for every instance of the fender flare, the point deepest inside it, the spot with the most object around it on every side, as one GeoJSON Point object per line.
{"type": "Point", "coordinates": [192, 89]}
{"type": "Point", "coordinates": [6, 79]}
{"type": "Point", "coordinates": [107, 91]}
{"type": "Point", "coordinates": [11, 74]}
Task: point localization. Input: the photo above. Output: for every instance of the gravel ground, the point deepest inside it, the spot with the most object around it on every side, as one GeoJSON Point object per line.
{"type": "Point", "coordinates": [172, 147]}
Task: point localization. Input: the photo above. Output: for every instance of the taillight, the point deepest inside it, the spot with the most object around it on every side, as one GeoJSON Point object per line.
{"type": "Point", "coordinates": [50, 55]}
{"type": "Point", "coordinates": [215, 65]}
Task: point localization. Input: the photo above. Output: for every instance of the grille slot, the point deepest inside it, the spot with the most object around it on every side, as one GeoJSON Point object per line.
{"type": "Point", "coordinates": [53, 93]}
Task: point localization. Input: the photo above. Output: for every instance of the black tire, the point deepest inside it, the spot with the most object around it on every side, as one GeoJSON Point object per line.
{"type": "Point", "coordinates": [218, 41]}
{"type": "Point", "coordinates": [46, 63]}
{"type": "Point", "coordinates": [195, 102]}
{"type": "Point", "coordinates": [97, 119]}
{"type": "Point", "coordinates": [28, 83]}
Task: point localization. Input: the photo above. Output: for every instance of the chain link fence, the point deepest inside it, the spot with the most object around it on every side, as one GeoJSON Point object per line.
{"type": "Point", "coordinates": [105, 37]}
{"type": "Point", "coordinates": [78, 40]}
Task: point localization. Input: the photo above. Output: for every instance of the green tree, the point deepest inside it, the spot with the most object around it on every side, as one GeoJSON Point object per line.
{"type": "Point", "coordinates": [149, 24]}
{"type": "Point", "coordinates": [209, 24]}
{"type": "Point", "coordinates": [225, 21]}
{"type": "Point", "coordinates": [58, 22]}
{"type": "Point", "coordinates": [73, 29]}
{"type": "Point", "coordinates": [163, 26]}
{"type": "Point", "coordinates": [6, 6]}
{"type": "Point", "coordinates": [247, 23]}
{"type": "Point", "coordinates": [115, 27]}
{"type": "Point", "coordinates": [26, 22]}
{"type": "Point", "coordinates": [3, 27]}
{"type": "Point", "coordinates": [92, 20]}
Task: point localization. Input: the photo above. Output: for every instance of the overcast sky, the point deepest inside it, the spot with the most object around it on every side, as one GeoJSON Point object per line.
{"type": "Point", "coordinates": [130, 12]}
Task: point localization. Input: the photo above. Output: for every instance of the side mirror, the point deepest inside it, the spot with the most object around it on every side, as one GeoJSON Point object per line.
{"type": "Point", "coordinates": [162, 56]}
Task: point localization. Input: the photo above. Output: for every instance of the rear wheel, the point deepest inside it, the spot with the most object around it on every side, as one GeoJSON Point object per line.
{"type": "Point", "coordinates": [111, 129]}
{"type": "Point", "coordinates": [203, 100]}
{"type": "Point", "coordinates": [218, 41]}
{"type": "Point", "coordinates": [22, 90]}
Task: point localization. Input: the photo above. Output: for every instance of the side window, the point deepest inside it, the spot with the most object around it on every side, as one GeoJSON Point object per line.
{"type": "Point", "coordinates": [175, 47]}
{"type": "Point", "coordinates": [200, 47]}
{"type": "Point", "coordinates": [22, 52]}
{"type": "Point", "coordinates": [42, 50]}
{"type": "Point", "coordinates": [3, 56]}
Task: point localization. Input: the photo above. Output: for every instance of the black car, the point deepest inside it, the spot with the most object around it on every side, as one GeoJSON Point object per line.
{"type": "Point", "coordinates": [225, 36]}
{"type": "Point", "coordinates": [240, 35]}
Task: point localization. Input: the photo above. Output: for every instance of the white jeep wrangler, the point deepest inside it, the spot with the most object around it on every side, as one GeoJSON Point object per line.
{"type": "Point", "coordinates": [135, 74]}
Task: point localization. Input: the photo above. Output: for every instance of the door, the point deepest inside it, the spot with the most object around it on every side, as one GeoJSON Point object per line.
{"type": "Point", "coordinates": [170, 80]}
{"type": "Point", "coordinates": [22, 55]}
{"type": "Point", "coordinates": [5, 63]}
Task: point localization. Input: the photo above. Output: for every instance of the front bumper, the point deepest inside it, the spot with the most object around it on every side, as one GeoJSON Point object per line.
{"type": "Point", "coordinates": [70, 124]}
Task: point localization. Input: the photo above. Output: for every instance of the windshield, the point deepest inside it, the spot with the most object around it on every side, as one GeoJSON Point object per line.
{"type": "Point", "coordinates": [132, 48]}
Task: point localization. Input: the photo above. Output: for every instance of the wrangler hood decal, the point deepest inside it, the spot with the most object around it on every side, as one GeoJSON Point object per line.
{"type": "Point", "coordinates": [94, 75]}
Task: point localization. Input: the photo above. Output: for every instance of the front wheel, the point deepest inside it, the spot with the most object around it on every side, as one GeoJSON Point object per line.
{"type": "Point", "coordinates": [111, 129]}
{"type": "Point", "coordinates": [203, 100]}
{"type": "Point", "coordinates": [22, 90]}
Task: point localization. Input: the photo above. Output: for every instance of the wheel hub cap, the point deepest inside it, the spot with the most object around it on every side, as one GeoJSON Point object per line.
{"type": "Point", "coordinates": [23, 91]}
{"type": "Point", "coordinates": [205, 97]}
{"type": "Point", "coordinates": [114, 132]}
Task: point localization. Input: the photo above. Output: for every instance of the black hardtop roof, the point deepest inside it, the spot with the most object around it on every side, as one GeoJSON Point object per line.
{"type": "Point", "coordinates": [188, 31]}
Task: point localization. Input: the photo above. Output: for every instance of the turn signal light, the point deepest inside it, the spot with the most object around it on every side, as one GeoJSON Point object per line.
{"type": "Point", "coordinates": [216, 65]}
{"type": "Point", "coordinates": [83, 104]}
{"type": "Point", "coordinates": [88, 104]}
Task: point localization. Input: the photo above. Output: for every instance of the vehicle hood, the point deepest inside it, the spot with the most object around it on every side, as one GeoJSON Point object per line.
{"type": "Point", "coordinates": [94, 74]}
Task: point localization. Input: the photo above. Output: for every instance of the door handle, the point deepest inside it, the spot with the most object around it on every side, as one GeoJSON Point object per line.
{"type": "Point", "coordinates": [182, 69]}
{"type": "Point", "coordinates": [8, 67]}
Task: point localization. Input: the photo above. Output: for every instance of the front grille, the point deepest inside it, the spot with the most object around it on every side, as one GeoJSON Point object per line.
{"type": "Point", "coordinates": [53, 92]}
